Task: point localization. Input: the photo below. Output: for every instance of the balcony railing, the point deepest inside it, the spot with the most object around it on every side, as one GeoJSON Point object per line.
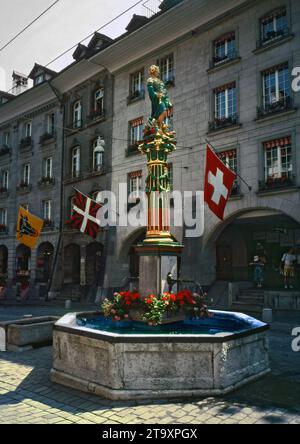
{"type": "Point", "coordinates": [26, 142]}
{"type": "Point", "coordinates": [220, 60]}
{"type": "Point", "coordinates": [277, 183]}
{"type": "Point", "coordinates": [3, 229]}
{"type": "Point", "coordinates": [46, 137]}
{"type": "Point", "coordinates": [273, 36]}
{"type": "Point", "coordinates": [4, 150]}
{"type": "Point", "coordinates": [132, 149]}
{"type": "Point", "coordinates": [48, 224]}
{"type": "Point", "coordinates": [135, 96]}
{"type": "Point", "coordinates": [279, 106]}
{"type": "Point", "coordinates": [75, 125]}
{"type": "Point", "coordinates": [98, 114]}
{"type": "Point", "coordinates": [24, 186]}
{"type": "Point", "coordinates": [46, 181]}
{"type": "Point", "coordinates": [225, 122]}
{"type": "Point", "coordinates": [235, 190]}
{"type": "Point", "coordinates": [169, 80]}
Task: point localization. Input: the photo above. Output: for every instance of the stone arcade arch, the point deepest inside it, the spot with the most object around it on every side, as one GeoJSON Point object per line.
{"type": "Point", "coordinates": [71, 264]}
{"type": "Point", "coordinates": [23, 260]}
{"type": "Point", "coordinates": [231, 245]}
{"type": "Point", "coordinates": [3, 259]}
{"type": "Point", "coordinates": [94, 264]}
{"type": "Point", "coordinates": [44, 261]}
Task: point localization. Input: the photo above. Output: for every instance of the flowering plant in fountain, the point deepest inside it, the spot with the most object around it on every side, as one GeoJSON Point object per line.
{"type": "Point", "coordinates": [155, 309]}
{"type": "Point", "coordinates": [119, 308]}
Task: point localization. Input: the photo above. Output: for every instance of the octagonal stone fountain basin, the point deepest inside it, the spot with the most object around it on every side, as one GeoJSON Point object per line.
{"type": "Point", "coordinates": [133, 361]}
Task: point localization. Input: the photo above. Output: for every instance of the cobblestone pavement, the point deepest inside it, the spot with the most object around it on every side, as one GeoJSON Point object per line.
{"type": "Point", "coordinates": [27, 395]}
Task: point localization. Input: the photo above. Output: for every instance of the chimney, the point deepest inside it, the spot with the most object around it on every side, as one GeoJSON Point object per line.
{"type": "Point", "coordinates": [20, 83]}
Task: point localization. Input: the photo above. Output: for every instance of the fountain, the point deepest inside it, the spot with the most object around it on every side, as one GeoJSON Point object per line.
{"type": "Point", "coordinates": [135, 354]}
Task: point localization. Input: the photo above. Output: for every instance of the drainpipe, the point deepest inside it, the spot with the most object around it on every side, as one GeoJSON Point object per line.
{"type": "Point", "coordinates": [60, 98]}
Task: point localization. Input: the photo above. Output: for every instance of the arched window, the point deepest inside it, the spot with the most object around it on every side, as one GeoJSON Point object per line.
{"type": "Point", "coordinates": [77, 114]}
{"type": "Point", "coordinates": [98, 154]}
{"type": "Point", "coordinates": [76, 161]}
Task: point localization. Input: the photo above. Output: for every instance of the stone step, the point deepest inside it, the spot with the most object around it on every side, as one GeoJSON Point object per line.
{"type": "Point", "coordinates": [252, 296]}
{"type": "Point", "coordinates": [253, 292]}
{"type": "Point", "coordinates": [250, 300]}
{"type": "Point", "coordinates": [247, 309]}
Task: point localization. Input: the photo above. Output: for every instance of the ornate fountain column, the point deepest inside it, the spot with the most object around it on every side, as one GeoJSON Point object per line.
{"type": "Point", "coordinates": [160, 252]}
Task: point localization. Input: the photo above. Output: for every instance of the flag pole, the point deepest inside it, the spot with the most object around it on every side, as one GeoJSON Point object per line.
{"type": "Point", "coordinates": [78, 191]}
{"type": "Point", "coordinates": [228, 166]}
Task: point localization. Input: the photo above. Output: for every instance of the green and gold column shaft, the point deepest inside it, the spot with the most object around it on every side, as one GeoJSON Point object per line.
{"type": "Point", "coordinates": [157, 145]}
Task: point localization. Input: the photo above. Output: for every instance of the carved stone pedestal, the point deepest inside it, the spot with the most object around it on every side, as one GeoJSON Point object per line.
{"type": "Point", "coordinates": [156, 261]}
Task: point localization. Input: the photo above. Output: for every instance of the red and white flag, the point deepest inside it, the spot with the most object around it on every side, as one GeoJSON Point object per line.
{"type": "Point", "coordinates": [84, 217]}
{"type": "Point", "coordinates": [219, 181]}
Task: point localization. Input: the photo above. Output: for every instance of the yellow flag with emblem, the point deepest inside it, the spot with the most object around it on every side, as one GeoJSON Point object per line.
{"type": "Point", "coordinates": [28, 228]}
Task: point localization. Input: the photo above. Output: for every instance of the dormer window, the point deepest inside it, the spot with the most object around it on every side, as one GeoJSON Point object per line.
{"type": "Point", "coordinates": [39, 79]}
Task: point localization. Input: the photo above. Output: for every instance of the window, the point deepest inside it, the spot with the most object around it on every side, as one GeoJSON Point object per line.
{"type": "Point", "coordinates": [98, 154]}
{"type": "Point", "coordinates": [28, 129]}
{"type": "Point", "coordinates": [278, 162]}
{"type": "Point", "coordinates": [171, 176]}
{"type": "Point", "coordinates": [274, 26]}
{"type": "Point", "coordinates": [77, 114]}
{"type": "Point", "coordinates": [47, 210]}
{"type": "Point", "coordinates": [137, 84]}
{"type": "Point", "coordinates": [169, 119]}
{"type": "Point", "coordinates": [3, 217]}
{"type": "Point", "coordinates": [99, 101]}
{"type": "Point", "coordinates": [26, 174]}
{"type": "Point", "coordinates": [47, 167]}
{"type": "Point", "coordinates": [276, 88]}
{"type": "Point", "coordinates": [51, 124]}
{"type": "Point", "coordinates": [225, 107]}
{"type": "Point", "coordinates": [76, 161]}
{"type": "Point", "coordinates": [134, 180]}
{"type": "Point", "coordinates": [166, 66]}
{"type": "Point", "coordinates": [229, 158]}
{"type": "Point", "coordinates": [5, 179]}
{"type": "Point", "coordinates": [39, 79]}
{"type": "Point", "coordinates": [6, 139]}
{"type": "Point", "coordinates": [224, 48]}
{"type": "Point", "coordinates": [136, 128]}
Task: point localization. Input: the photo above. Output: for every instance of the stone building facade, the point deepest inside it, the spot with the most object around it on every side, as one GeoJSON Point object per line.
{"type": "Point", "coordinates": [30, 165]}
{"type": "Point", "coordinates": [228, 68]}
{"type": "Point", "coordinates": [87, 168]}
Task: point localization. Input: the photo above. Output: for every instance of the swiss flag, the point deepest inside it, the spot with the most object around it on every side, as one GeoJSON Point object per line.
{"type": "Point", "coordinates": [219, 182]}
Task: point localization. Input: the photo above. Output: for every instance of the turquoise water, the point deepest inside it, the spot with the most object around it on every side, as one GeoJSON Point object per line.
{"type": "Point", "coordinates": [211, 326]}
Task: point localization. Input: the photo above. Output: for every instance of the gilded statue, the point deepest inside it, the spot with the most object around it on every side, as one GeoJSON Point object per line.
{"type": "Point", "coordinates": [159, 97]}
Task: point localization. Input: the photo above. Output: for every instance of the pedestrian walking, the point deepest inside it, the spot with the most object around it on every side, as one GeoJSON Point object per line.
{"type": "Point", "coordinates": [288, 268]}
